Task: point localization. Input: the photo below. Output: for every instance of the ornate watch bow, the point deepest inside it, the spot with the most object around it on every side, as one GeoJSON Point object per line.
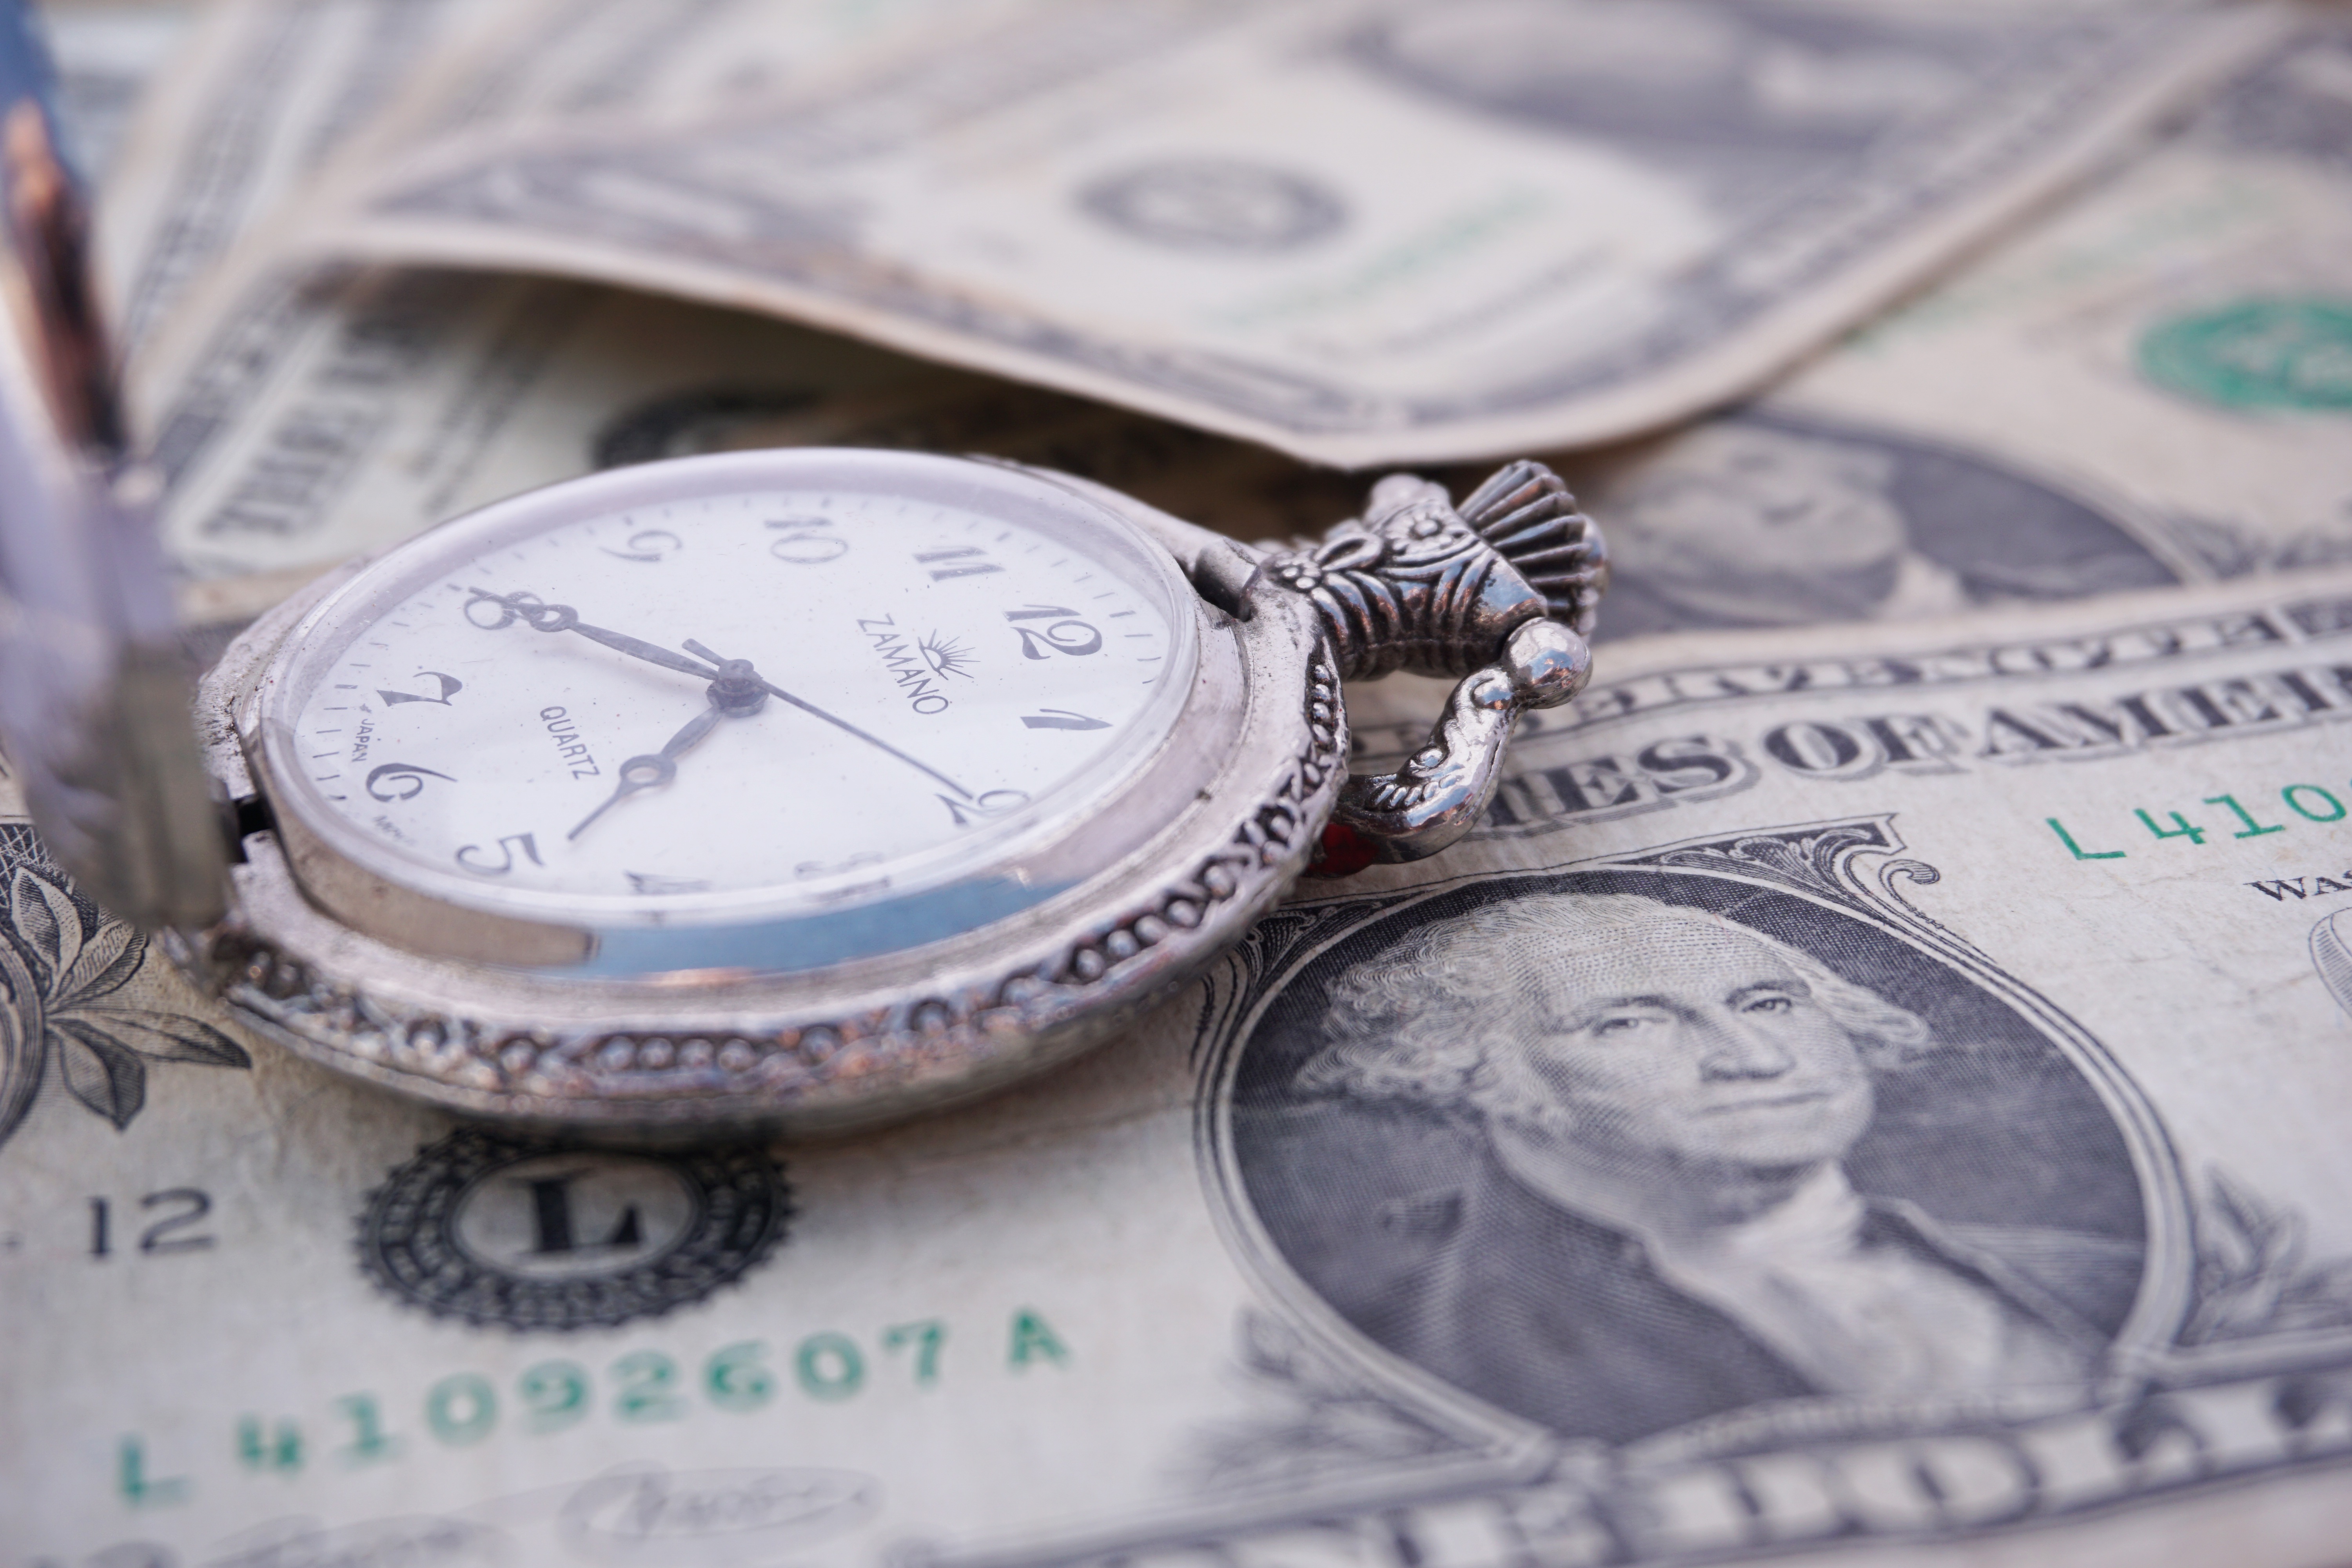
{"type": "Point", "coordinates": [1499, 591]}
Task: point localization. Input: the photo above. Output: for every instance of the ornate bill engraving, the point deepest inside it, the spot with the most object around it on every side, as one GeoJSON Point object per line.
{"type": "Point", "coordinates": [1605, 1267]}
{"type": "Point", "coordinates": [1762, 519]}
{"type": "Point", "coordinates": [502, 1232]}
{"type": "Point", "coordinates": [90, 1007]}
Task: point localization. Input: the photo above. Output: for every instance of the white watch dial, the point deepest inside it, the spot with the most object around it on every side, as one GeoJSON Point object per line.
{"type": "Point", "coordinates": [779, 683]}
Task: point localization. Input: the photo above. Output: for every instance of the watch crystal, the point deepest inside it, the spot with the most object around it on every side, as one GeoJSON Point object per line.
{"type": "Point", "coordinates": [785, 686]}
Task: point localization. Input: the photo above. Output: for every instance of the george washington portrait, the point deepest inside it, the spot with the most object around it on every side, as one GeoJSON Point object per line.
{"type": "Point", "coordinates": [1755, 521]}
{"type": "Point", "coordinates": [1616, 1164]}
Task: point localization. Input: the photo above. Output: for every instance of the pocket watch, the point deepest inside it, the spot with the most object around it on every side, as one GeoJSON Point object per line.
{"type": "Point", "coordinates": [795, 790]}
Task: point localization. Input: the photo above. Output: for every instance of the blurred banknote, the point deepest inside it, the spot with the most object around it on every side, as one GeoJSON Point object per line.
{"type": "Point", "coordinates": [2174, 352]}
{"type": "Point", "coordinates": [2151, 386]}
{"type": "Point", "coordinates": [1803, 1123]}
{"type": "Point", "coordinates": [2018, 434]}
{"type": "Point", "coordinates": [382, 401]}
{"type": "Point", "coordinates": [268, 90]}
{"type": "Point", "coordinates": [1355, 231]}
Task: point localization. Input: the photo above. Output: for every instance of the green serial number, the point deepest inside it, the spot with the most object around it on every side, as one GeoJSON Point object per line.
{"type": "Point", "coordinates": [643, 1386]}
{"type": "Point", "coordinates": [2310, 801]}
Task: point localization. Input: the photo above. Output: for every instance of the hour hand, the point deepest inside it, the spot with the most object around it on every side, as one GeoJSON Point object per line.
{"type": "Point", "coordinates": [542, 616]}
{"type": "Point", "coordinates": [654, 768]}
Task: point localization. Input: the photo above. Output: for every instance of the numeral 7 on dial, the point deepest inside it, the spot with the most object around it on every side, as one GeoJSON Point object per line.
{"type": "Point", "coordinates": [450, 686]}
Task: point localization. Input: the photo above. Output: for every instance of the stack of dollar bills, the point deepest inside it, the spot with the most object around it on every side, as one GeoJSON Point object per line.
{"type": "Point", "coordinates": [1965, 392]}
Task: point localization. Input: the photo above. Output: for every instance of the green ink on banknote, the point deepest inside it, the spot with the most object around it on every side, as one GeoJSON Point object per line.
{"type": "Point", "coordinates": [646, 1380]}
{"type": "Point", "coordinates": [139, 1488]}
{"type": "Point", "coordinates": [2079, 852]}
{"type": "Point", "coordinates": [264, 1449]}
{"type": "Point", "coordinates": [1033, 1341]}
{"type": "Point", "coordinates": [555, 1393]}
{"type": "Point", "coordinates": [2181, 827]}
{"type": "Point", "coordinates": [2311, 802]}
{"type": "Point", "coordinates": [734, 1378]}
{"type": "Point", "coordinates": [2334, 809]}
{"type": "Point", "coordinates": [926, 1336]}
{"type": "Point", "coordinates": [2258, 354]}
{"type": "Point", "coordinates": [461, 1409]}
{"type": "Point", "coordinates": [369, 1440]}
{"type": "Point", "coordinates": [2253, 829]}
{"type": "Point", "coordinates": [829, 1367]}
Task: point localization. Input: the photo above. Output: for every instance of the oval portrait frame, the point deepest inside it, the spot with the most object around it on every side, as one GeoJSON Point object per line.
{"type": "Point", "coordinates": [1838, 872]}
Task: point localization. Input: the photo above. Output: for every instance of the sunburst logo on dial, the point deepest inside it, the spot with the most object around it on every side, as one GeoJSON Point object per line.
{"type": "Point", "coordinates": [947, 656]}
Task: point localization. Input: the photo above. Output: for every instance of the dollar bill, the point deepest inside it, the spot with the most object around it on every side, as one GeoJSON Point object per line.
{"type": "Point", "coordinates": [2175, 348]}
{"type": "Point", "coordinates": [1355, 232]}
{"type": "Point", "coordinates": [376, 403]}
{"type": "Point", "coordinates": [2151, 386]}
{"type": "Point", "coordinates": [349, 420]}
{"type": "Point", "coordinates": [1866, 1095]}
{"type": "Point", "coordinates": [266, 90]}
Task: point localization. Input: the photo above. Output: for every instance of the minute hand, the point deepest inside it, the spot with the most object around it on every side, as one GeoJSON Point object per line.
{"type": "Point", "coordinates": [843, 724]}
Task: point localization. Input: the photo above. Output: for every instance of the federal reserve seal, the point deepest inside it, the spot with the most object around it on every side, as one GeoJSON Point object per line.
{"type": "Point", "coordinates": [517, 1233]}
{"type": "Point", "coordinates": [2266, 354]}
